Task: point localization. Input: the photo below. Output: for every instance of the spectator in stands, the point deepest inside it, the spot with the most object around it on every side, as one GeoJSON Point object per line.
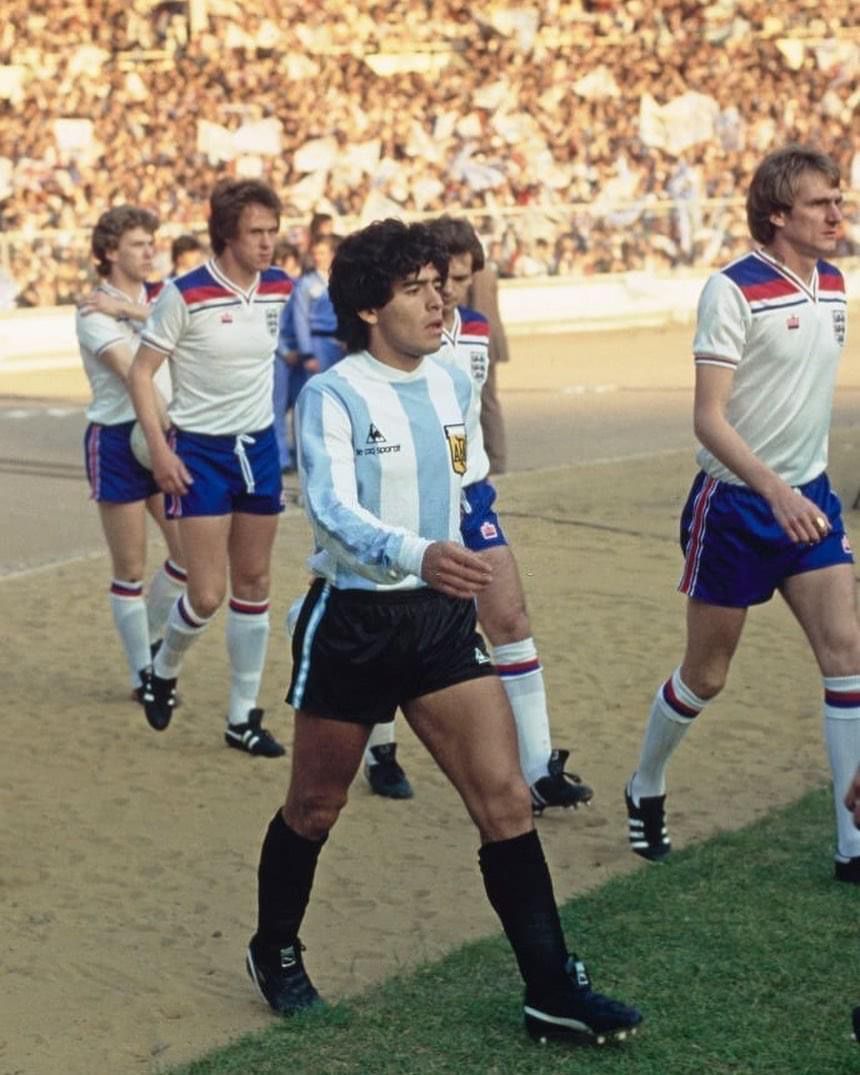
{"type": "Point", "coordinates": [490, 131]}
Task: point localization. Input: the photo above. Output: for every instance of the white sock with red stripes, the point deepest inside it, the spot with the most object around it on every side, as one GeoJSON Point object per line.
{"type": "Point", "coordinates": [842, 735]}
{"type": "Point", "coordinates": [129, 617]}
{"type": "Point", "coordinates": [165, 586]}
{"type": "Point", "coordinates": [520, 671]}
{"type": "Point", "coordinates": [673, 710]}
{"type": "Point", "coordinates": [183, 629]}
{"type": "Point", "coordinates": [247, 642]}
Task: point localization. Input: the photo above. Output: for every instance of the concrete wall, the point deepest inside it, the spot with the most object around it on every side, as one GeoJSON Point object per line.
{"type": "Point", "coordinates": [44, 339]}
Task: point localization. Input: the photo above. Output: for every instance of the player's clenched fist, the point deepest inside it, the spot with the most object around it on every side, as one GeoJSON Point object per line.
{"type": "Point", "coordinates": [453, 570]}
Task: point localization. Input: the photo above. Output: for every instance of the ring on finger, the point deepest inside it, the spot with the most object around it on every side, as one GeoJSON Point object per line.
{"type": "Point", "coordinates": [821, 522]}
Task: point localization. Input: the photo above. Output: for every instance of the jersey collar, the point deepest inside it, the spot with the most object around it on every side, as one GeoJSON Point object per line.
{"type": "Point", "coordinates": [226, 282]}
{"type": "Point", "coordinates": [453, 334]}
{"type": "Point", "coordinates": [809, 289]}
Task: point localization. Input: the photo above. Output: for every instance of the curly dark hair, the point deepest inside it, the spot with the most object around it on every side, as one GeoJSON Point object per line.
{"type": "Point", "coordinates": [112, 225]}
{"type": "Point", "coordinates": [226, 203]}
{"type": "Point", "coordinates": [368, 264]}
{"type": "Point", "coordinates": [774, 185]}
{"type": "Point", "coordinates": [458, 237]}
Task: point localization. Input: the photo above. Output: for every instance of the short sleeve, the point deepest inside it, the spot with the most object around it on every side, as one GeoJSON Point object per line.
{"type": "Point", "coordinates": [167, 322]}
{"type": "Point", "coordinates": [96, 332]}
{"type": "Point", "coordinates": [722, 324]}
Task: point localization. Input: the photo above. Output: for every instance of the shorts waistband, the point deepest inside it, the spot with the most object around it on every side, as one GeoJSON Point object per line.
{"type": "Point", "coordinates": [224, 438]}
{"type": "Point", "coordinates": [422, 595]}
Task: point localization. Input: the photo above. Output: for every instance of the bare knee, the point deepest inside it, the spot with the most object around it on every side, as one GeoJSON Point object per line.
{"type": "Point", "coordinates": [706, 683]}
{"type": "Point", "coordinates": [838, 651]}
{"type": "Point", "coordinates": [504, 810]}
{"type": "Point", "coordinates": [252, 587]}
{"type": "Point", "coordinates": [507, 624]}
{"type": "Point", "coordinates": [312, 814]}
{"type": "Point", "coordinates": [128, 570]}
{"type": "Point", "coordinates": [205, 600]}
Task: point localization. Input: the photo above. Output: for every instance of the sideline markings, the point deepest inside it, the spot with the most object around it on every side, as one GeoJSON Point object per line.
{"type": "Point", "coordinates": [49, 565]}
{"type": "Point", "coordinates": [632, 457]}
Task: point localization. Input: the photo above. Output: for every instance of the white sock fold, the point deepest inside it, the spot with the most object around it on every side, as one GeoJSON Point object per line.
{"type": "Point", "coordinates": [247, 642]}
{"type": "Point", "coordinates": [183, 628]}
{"type": "Point", "coordinates": [520, 671]}
{"type": "Point", "coordinates": [129, 616]}
{"type": "Point", "coordinates": [165, 586]}
{"type": "Point", "coordinates": [842, 736]}
{"type": "Point", "coordinates": [673, 710]}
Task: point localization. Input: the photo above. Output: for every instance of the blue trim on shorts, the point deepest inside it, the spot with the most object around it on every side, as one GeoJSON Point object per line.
{"type": "Point", "coordinates": [479, 524]}
{"type": "Point", "coordinates": [235, 473]}
{"type": "Point", "coordinates": [307, 642]}
{"type": "Point", "coordinates": [735, 552]}
{"type": "Point", "coordinates": [114, 474]}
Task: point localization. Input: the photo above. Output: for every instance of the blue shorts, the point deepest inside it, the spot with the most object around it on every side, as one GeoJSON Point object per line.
{"type": "Point", "coordinates": [115, 476]}
{"type": "Point", "coordinates": [736, 553]}
{"type": "Point", "coordinates": [231, 474]}
{"type": "Point", "coordinates": [479, 524]}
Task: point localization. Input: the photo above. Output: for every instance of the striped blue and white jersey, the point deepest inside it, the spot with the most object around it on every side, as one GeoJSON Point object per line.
{"type": "Point", "coordinates": [466, 345]}
{"type": "Point", "coordinates": [783, 338]}
{"type": "Point", "coordinates": [382, 454]}
{"type": "Point", "coordinates": [219, 341]}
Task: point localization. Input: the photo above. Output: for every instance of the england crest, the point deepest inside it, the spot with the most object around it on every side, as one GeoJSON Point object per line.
{"type": "Point", "coordinates": [839, 326]}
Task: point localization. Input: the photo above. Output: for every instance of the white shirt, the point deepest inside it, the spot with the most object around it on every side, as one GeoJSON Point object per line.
{"type": "Point", "coordinates": [97, 332]}
{"type": "Point", "coordinates": [382, 454]}
{"type": "Point", "coordinates": [467, 346]}
{"type": "Point", "coordinates": [219, 341]}
{"type": "Point", "coordinates": [783, 338]}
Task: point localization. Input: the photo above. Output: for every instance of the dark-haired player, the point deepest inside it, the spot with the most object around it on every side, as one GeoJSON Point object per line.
{"type": "Point", "coordinates": [502, 610]}
{"type": "Point", "coordinates": [390, 622]}
{"type": "Point", "coordinates": [218, 325]}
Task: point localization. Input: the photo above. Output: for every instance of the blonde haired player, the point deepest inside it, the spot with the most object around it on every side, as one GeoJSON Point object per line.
{"type": "Point", "coordinates": [217, 325]}
{"type": "Point", "coordinates": [761, 515]}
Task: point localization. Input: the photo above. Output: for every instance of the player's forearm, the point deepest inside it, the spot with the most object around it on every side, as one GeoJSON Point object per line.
{"type": "Point", "coordinates": [359, 540]}
{"type": "Point", "coordinates": [726, 444]}
{"type": "Point", "coordinates": [149, 406]}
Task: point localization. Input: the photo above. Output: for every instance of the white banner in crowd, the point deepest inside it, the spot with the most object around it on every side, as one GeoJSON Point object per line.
{"type": "Point", "coordinates": [254, 138]}
{"type": "Point", "coordinates": [262, 136]}
{"type": "Point", "coordinates": [680, 123]}
{"type": "Point", "coordinates": [73, 136]}
{"type": "Point", "coordinates": [597, 84]}
{"type": "Point", "coordinates": [317, 155]}
{"type": "Point", "coordinates": [12, 83]}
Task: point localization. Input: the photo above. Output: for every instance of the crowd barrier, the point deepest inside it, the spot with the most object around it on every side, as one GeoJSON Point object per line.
{"type": "Point", "coordinates": [44, 339]}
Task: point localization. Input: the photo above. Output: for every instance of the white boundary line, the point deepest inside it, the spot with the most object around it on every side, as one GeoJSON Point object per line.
{"type": "Point", "coordinates": [39, 569]}
{"type": "Point", "coordinates": [633, 457]}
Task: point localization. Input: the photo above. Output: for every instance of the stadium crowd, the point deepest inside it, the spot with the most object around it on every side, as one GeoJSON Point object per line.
{"type": "Point", "coordinates": [581, 136]}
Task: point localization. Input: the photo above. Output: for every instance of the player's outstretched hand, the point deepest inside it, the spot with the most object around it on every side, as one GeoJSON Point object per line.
{"type": "Point", "coordinates": [99, 302]}
{"type": "Point", "coordinates": [454, 571]}
{"type": "Point", "coordinates": [170, 473]}
{"type": "Point", "coordinates": [852, 798]}
{"type": "Point", "coordinates": [799, 517]}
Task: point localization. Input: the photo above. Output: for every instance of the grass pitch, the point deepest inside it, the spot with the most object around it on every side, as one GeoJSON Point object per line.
{"type": "Point", "coordinates": [742, 953]}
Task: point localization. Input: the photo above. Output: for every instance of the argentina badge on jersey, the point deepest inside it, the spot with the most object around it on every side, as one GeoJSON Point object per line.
{"type": "Point", "coordinates": [456, 437]}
